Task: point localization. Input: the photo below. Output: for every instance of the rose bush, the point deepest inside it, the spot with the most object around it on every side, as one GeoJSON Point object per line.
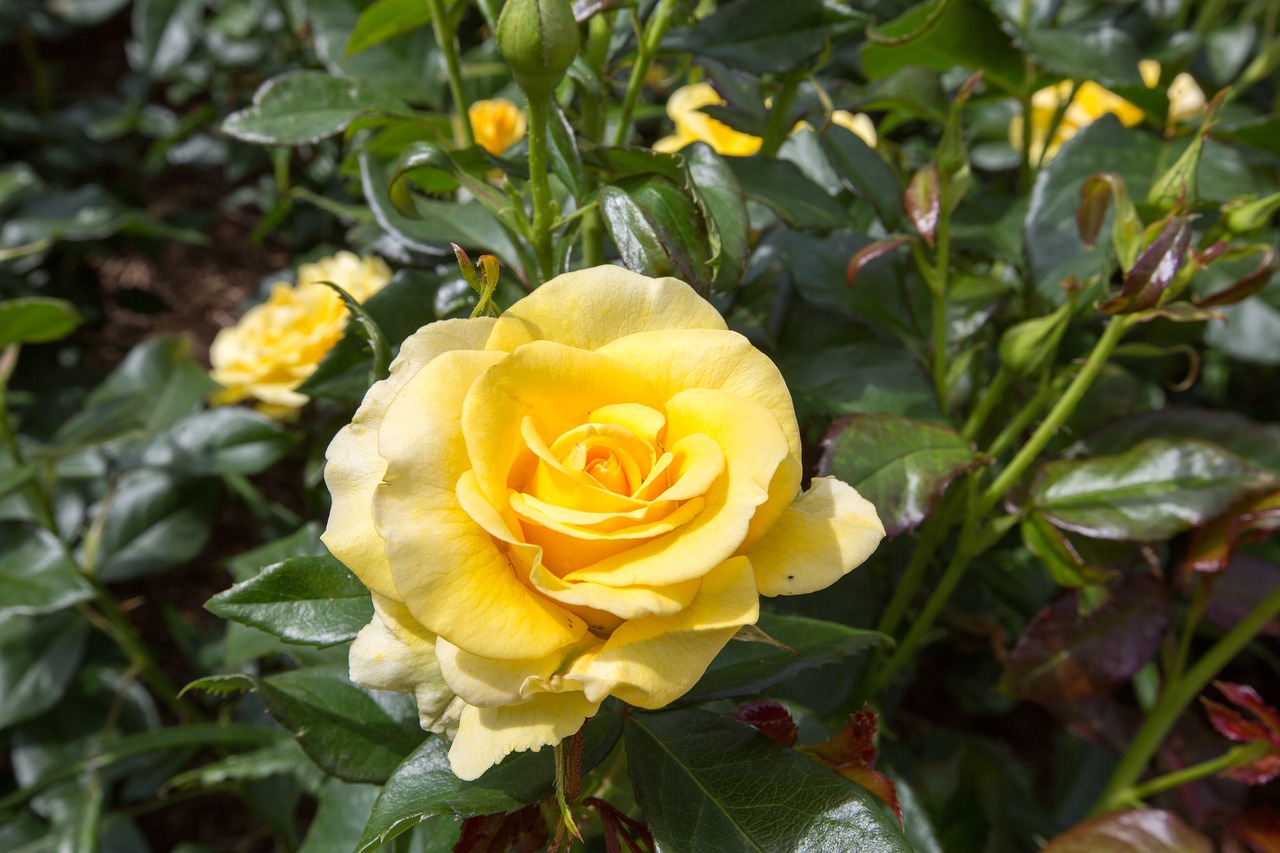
{"type": "Point", "coordinates": [278, 344]}
{"type": "Point", "coordinates": [582, 498]}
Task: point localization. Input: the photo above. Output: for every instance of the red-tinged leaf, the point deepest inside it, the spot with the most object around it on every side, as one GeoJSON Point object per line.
{"type": "Point", "coordinates": [877, 783]}
{"type": "Point", "coordinates": [1238, 590]}
{"type": "Point", "coordinates": [1210, 548]}
{"type": "Point", "coordinates": [1066, 655]}
{"type": "Point", "coordinates": [1258, 772]}
{"type": "Point", "coordinates": [924, 202]}
{"type": "Point", "coordinates": [1209, 255]}
{"type": "Point", "coordinates": [1126, 232]}
{"type": "Point", "coordinates": [770, 718]}
{"type": "Point", "coordinates": [1134, 831]}
{"type": "Point", "coordinates": [619, 826]}
{"type": "Point", "coordinates": [522, 831]}
{"type": "Point", "coordinates": [1259, 829]}
{"type": "Point", "coordinates": [1247, 285]}
{"type": "Point", "coordinates": [1153, 271]}
{"type": "Point", "coordinates": [1246, 697]}
{"type": "Point", "coordinates": [1230, 723]}
{"type": "Point", "coordinates": [853, 746]}
{"type": "Point", "coordinates": [869, 253]}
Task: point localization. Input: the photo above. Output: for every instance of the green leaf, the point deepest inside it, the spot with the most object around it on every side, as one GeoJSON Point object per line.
{"type": "Point", "coordinates": [760, 36]}
{"type": "Point", "coordinates": [566, 159]}
{"type": "Point", "coordinates": [36, 320]}
{"type": "Point", "coordinates": [342, 812]}
{"type": "Point", "coordinates": [901, 465]}
{"type": "Point", "coordinates": [424, 786]}
{"type": "Point", "coordinates": [658, 229]}
{"type": "Point", "coordinates": [1256, 443]}
{"type": "Point", "coordinates": [864, 172]}
{"type": "Point", "coordinates": [1095, 51]}
{"type": "Point", "coordinates": [228, 440]}
{"type": "Point", "coordinates": [386, 19]}
{"type": "Point", "coordinates": [156, 385]}
{"type": "Point", "coordinates": [282, 757]}
{"type": "Point", "coordinates": [405, 67]}
{"type": "Point", "coordinates": [312, 600]}
{"type": "Point", "coordinates": [943, 34]}
{"type": "Point", "coordinates": [155, 522]}
{"type": "Point", "coordinates": [705, 782]}
{"type": "Point", "coordinates": [1151, 493]}
{"type": "Point", "coordinates": [724, 208]}
{"type": "Point", "coordinates": [298, 108]}
{"type": "Point", "coordinates": [303, 542]}
{"type": "Point", "coordinates": [781, 185]}
{"type": "Point", "coordinates": [743, 667]}
{"type": "Point", "coordinates": [861, 378]}
{"type": "Point", "coordinates": [1131, 831]}
{"type": "Point", "coordinates": [36, 574]}
{"type": "Point", "coordinates": [1069, 652]}
{"type": "Point", "coordinates": [38, 658]}
{"type": "Point", "coordinates": [350, 732]}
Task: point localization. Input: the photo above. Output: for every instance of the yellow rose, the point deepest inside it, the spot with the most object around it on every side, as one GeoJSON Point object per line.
{"type": "Point", "coordinates": [693, 125]}
{"type": "Point", "coordinates": [860, 124]}
{"type": "Point", "coordinates": [277, 345]}
{"type": "Point", "coordinates": [1186, 98]}
{"type": "Point", "coordinates": [582, 498]}
{"type": "Point", "coordinates": [497, 124]}
{"type": "Point", "coordinates": [1090, 103]}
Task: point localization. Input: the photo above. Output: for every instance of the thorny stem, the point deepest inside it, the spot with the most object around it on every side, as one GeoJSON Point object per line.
{"type": "Point", "coordinates": [540, 186]}
{"type": "Point", "coordinates": [447, 38]}
{"type": "Point", "coordinates": [1174, 700]}
{"type": "Point", "coordinates": [650, 40]}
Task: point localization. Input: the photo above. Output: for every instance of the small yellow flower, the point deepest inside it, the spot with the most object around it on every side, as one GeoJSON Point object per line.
{"type": "Point", "coordinates": [1186, 98]}
{"type": "Point", "coordinates": [1090, 103]}
{"type": "Point", "coordinates": [693, 125]}
{"type": "Point", "coordinates": [277, 345]}
{"type": "Point", "coordinates": [497, 124]}
{"type": "Point", "coordinates": [859, 124]}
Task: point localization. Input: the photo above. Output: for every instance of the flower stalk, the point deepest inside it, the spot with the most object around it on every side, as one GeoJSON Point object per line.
{"type": "Point", "coordinates": [445, 29]}
{"type": "Point", "coordinates": [654, 30]}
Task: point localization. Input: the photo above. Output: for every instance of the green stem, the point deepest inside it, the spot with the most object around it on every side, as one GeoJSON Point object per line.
{"type": "Point", "coordinates": [939, 288]}
{"type": "Point", "coordinates": [1173, 702]}
{"type": "Point", "coordinates": [1236, 757]}
{"type": "Point", "coordinates": [38, 498]}
{"type": "Point", "coordinates": [1057, 416]}
{"type": "Point", "coordinates": [593, 126]}
{"type": "Point", "coordinates": [540, 186]}
{"type": "Point", "coordinates": [776, 127]}
{"type": "Point", "coordinates": [447, 37]}
{"type": "Point", "coordinates": [1195, 612]}
{"type": "Point", "coordinates": [655, 28]}
{"type": "Point", "coordinates": [1020, 421]}
{"type": "Point", "coordinates": [987, 403]}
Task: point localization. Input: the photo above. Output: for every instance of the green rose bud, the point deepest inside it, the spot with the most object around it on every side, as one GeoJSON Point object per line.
{"type": "Point", "coordinates": [539, 40]}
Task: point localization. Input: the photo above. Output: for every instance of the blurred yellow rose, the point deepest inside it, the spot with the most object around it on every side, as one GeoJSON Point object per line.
{"type": "Point", "coordinates": [277, 345]}
{"type": "Point", "coordinates": [860, 124]}
{"type": "Point", "coordinates": [580, 499]}
{"type": "Point", "coordinates": [1186, 98]}
{"type": "Point", "coordinates": [693, 125]}
{"type": "Point", "coordinates": [497, 124]}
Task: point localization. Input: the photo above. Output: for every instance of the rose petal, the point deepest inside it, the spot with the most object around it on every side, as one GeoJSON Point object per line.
{"type": "Point", "coordinates": [626, 602]}
{"type": "Point", "coordinates": [487, 735]}
{"type": "Point", "coordinates": [354, 467]}
{"type": "Point", "coordinates": [589, 308]}
{"type": "Point", "coordinates": [446, 567]}
{"type": "Point", "coordinates": [825, 533]}
{"type": "Point", "coordinates": [488, 683]}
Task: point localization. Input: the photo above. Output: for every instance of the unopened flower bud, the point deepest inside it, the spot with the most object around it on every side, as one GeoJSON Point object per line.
{"type": "Point", "coordinates": [539, 40]}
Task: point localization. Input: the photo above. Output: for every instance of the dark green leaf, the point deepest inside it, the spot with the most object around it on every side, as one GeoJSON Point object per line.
{"type": "Point", "coordinates": [864, 172]}
{"type": "Point", "coordinates": [760, 36]}
{"type": "Point", "coordinates": [658, 229]}
{"type": "Point", "coordinates": [861, 378]}
{"type": "Point", "coordinates": [38, 657]}
{"type": "Point", "coordinates": [1153, 270]}
{"type": "Point", "coordinates": [901, 465]}
{"type": "Point", "coordinates": [783, 187]}
{"type": "Point", "coordinates": [1068, 653]}
{"type": "Point", "coordinates": [36, 320]}
{"type": "Point", "coordinates": [1256, 443]}
{"type": "Point", "coordinates": [724, 208]}
{"type": "Point", "coordinates": [218, 441]}
{"type": "Point", "coordinates": [424, 786]}
{"type": "Point", "coordinates": [155, 522]}
{"type": "Point", "coordinates": [36, 574]}
{"type": "Point", "coordinates": [341, 815]}
{"type": "Point", "coordinates": [407, 67]}
{"type": "Point", "coordinates": [164, 32]}
{"type": "Point", "coordinates": [1102, 53]}
{"type": "Point", "coordinates": [303, 542]}
{"type": "Point", "coordinates": [743, 667]}
{"type": "Point", "coordinates": [689, 767]}
{"type": "Point", "coordinates": [386, 19]}
{"type": "Point", "coordinates": [943, 34]}
{"type": "Point", "coordinates": [1153, 492]}
{"type": "Point", "coordinates": [313, 600]}
{"type": "Point", "coordinates": [298, 108]}
{"type": "Point", "coordinates": [566, 160]}
{"type": "Point", "coordinates": [1131, 831]}
{"type": "Point", "coordinates": [350, 732]}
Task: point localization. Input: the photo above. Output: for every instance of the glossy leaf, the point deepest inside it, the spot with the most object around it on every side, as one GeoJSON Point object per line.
{"type": "Point", "coordinates": [688, 768]}
{"type": "Point", "coordinates": [298, 108]}
{"type": "Point", "coordinates": [38, 658]}
{"type": "Point", "coordinates": [1068, 653]}
{"type": "Point", "coordinates": [865, 378]}
{"type": "Point", "coordinates": [228, 440]}
{"type": "Point", "coordinates": [155, 522]}
{"type": "Point", "coordinates": [1098, 51]}
{"type": "Point", "coordinates": [1256, 443]}
{"type": "Point", "coordinates": [924, 202]}
{"type": "Point", "coordinates": [780, 185]}
{"type": "Point", "coordinates": [864, 172]}
{"type": "Point", "coordinates": [36, 320]}
{"type": "Point", "coordinates": [902, 466]}
{"type": "Point", "coordinates": [36, 573]}
{"type": "Point", "coordinates": [658, 229]}
{"type": "Point", "coordinates": [1211, 547]}
{"type": "Point", "coordinates": [1133, 831]}
{"type": "Point", "coordinates": [1246, 285]}
{"type": "Point", "coordinates": [724, 208]}
{"type": "Point", "coordinates": [1153, 270]}
{"type": "Point", "coordinates": [341, 813]}
{"type": "Point", "coordinates": [1151, 493]}
{"type": "Point", "coordinates": [386, 19]}
{"type": "Point", "coordinates": [760, 36]}
{"type": "Point", "coordinates": [313, 600]}
{"type": "Point", "coordinates": [424, 786]}
{"type": "Point", "coordinates": [868, 253]}
{"type": "Point", "coordinates": [770, 719]}
{"type": "Point", "coordinates": [744, 668]}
